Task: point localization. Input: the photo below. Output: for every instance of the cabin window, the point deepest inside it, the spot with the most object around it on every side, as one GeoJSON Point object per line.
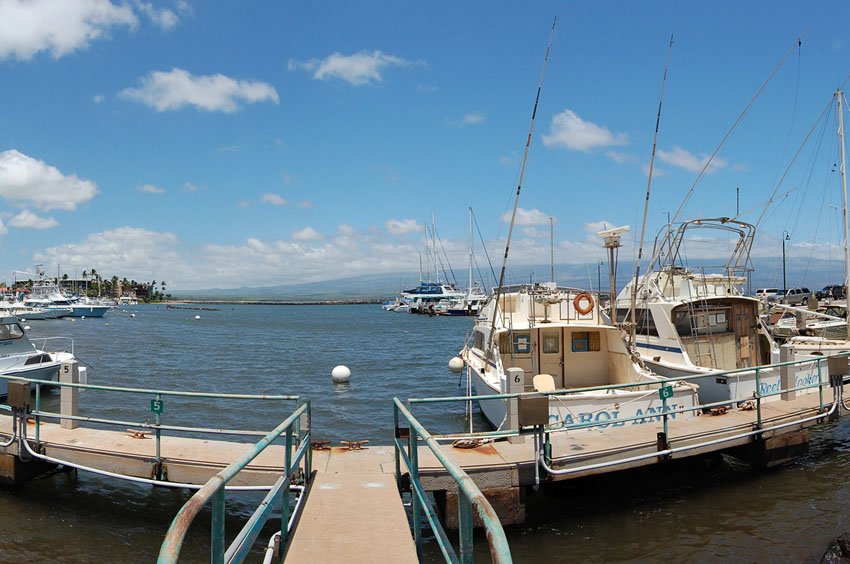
{"type": "Point", "coordinates": [478, 341]}
{"type": "Point", "coordinates": [645, 322]}
{"type": "Point", "coordinates": [586, 341]}
{"type": "Point", "coordinates": [10, 331]}
{"type": "Point", "coordinates": [551, 342]}
{"type": "Point", "coordinates": [702, 321]}
{"type": "Point", "coordinates": [519, 343]}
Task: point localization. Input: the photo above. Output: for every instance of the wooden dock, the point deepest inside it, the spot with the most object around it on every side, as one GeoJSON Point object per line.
{"type": "Point", "coordinates": [353, 511]}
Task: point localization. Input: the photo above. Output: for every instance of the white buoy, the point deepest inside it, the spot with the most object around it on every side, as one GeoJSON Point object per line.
{"type": "Point", "coordinates": [456, 364]}
{"type": "Point", "coordinates": [197, 317]}
{"type": "Point", "coordinates": [132, 315]}
{"type": "Point", "coordinates": [341, 374]}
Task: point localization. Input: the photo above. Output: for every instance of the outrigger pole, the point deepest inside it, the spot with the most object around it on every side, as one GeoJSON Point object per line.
{"type": "Point", "coordinates": [498, 292]}
{"type": "Point", "coordinates": [645, 208]}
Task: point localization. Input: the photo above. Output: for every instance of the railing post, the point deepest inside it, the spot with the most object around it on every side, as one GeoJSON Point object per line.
{"type": "Point", "coordinates": [820, 380]}
{"type": "Point", "coordinates": [758, 398]}
{"type": "Point", "coordinates": [308, 459]}
{"type": "Point", "coordinates": [217, 527]}
{"type": "Point", "coordinates": [37, 416]}
{"type": "Point", "coordinates": [396, 457]}
{"type": "Point", "coordinates": [464, 519]}
{"type": "Point", "coordinates": [413, 454]}
{"type": "Point", "coordinates": [284, 504]}
{"type": "Point", "coordinates": [158, 431]}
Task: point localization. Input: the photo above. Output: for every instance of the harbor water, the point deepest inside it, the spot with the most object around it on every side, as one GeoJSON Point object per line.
{"type": "Point", "coordinates": [714, 510]}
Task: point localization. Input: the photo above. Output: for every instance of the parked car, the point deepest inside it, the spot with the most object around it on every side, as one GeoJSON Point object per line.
{"type": "Point", "coordinates": [769, 294]}
{"type": "Point", "coordinates": [834, 291]}
{"type": "Point", "coordinates": [797, 296]}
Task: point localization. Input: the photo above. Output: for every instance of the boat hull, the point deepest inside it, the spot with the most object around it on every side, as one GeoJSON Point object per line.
{"type": "Point", "coordinates": [601, 409]}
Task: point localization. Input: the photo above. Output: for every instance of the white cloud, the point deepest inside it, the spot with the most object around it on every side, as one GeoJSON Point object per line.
{"type": "Point", "coordinates": [656, 172]}
{"type": "Point", "coordinates": [307, 234]}
{"type": "Point", "coordinates": [569, 130]}
{"type": "Point", "coordinates": [682, 158]}
{"type": "Point", "coordinates": [213, 93]}
{"type": "Point", "coordinates": [527, 217]}
{"type": "Point", "coordinates": [621, 158]}
{"type": "Point", "coordinates": [136, 253]}
{"type": "Point", "coordinates": [99, 98]}
{"type": "Point", "coordinates": [345, 230]}
{"type": "Point", "coordinates": [60, 27]}
{"type": "Point", "coordinates": [28, 220]}
{"type": "Point", "coordinates": [273, 199]}
{"type": "Point", "coordinates": [190, 187]}
{"type": "Point", "coordinates": [151, 189]}
{"type": "Point", "coordinates": [306, 204]}
{"type": "Point", "coordinates": [163, 18]}
{"type": "Point", "coordinates": [24, 179]}
{"type": "Point", "coordinates": [360, 69]}
{"type": "Point", "coordinates": [3, 229]}
{"type": "Point", "coordinates": [472, 119]}
{"type": "Point", "coordinates": [402, 226]}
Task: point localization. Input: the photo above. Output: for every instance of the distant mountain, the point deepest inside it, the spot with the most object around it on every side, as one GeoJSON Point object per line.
{"type": "Point", "coordinates": [813, 274]}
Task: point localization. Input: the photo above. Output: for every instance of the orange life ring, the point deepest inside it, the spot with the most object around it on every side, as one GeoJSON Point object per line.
{"type": "Point", "coordinates": [577, 303]}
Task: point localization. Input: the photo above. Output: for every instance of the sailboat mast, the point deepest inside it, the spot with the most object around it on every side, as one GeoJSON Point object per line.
{"type": "Point", "coordinates": [839, 96]}
{"type": "Point", "coordinates": [469, 287]}
{"type": "Point", "coordinates": [497, 294]}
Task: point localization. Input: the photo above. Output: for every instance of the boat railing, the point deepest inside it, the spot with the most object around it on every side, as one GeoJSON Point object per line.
{"type": "Point", "coordinates": [65, 344]}
{"type": "Point", "coordinates": [407, 441]}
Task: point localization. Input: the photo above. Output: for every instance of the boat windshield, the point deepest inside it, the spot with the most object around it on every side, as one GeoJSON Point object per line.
{"type": "Point", "coordinates": [10, 331]}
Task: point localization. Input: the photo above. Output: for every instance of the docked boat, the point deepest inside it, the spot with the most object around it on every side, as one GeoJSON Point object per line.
{"type": "Point", "coordinates": [561, 334]}
{"type": "Point", "coordinates": [430, 298]}
{"type": "Point", "coordinates": [28, 313]}
{"type": "Point", "coordinates": [470, 304]}
{"type": "Point", "coordinates": [19, 358]}
{"type": "Point", "coordinates": [692, 323]}
{"type": "Point", "coordinates": [47, 295]}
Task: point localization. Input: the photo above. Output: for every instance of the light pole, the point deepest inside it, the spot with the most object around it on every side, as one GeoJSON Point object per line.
{"type": "Point", "coordinates": [785, 237]}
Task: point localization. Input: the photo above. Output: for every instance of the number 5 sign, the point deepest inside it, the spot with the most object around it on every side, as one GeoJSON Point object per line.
{"type": "Point", "coordinates": [157, 406]}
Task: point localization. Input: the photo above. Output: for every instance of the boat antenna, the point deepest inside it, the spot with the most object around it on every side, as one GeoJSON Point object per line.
{"type": "Point", "coordinates": [497, 294]}
{"type": "Point", "coordinates": [646, 202]}
{"type": "Point", "coordinates": [552, 249]}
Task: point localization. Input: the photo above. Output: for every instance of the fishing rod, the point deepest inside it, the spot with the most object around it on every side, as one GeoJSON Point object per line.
{"type": "Point", "coordinates": [710, 160]}
{"type": "Point", "coordinates": [498, 291]}
{"type": "Point", "coordinates": [645, 206]}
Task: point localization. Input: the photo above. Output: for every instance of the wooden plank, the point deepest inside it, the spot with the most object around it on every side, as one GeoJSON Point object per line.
{"type": "Point", "coordinates": [352, 517]}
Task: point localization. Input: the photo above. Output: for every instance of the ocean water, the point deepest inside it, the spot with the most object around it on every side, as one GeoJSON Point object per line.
{"type": "Point", "coordinates": [706, 512]}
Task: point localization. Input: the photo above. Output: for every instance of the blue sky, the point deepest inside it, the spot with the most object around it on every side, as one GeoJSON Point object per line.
{"type": "Point", "coordinates": [224, 144]}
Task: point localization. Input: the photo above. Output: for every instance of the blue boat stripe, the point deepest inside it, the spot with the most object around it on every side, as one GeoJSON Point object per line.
{"type": "Point", "coordinates": [660, 347]}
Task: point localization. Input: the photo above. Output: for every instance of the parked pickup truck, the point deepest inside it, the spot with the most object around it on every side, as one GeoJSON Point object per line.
{"type": "Point", "coordinates": [797, 296]}
{"type": "Point", "coordinates": [834, 291]}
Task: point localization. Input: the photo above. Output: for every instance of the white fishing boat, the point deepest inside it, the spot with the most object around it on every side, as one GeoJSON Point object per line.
{"type": "Point", "coordinates": [561, 341]}
{"type": "Point", "coordinates": [28, 313]}
{"type": "Point", "coordinates": [19, 358]}
{"type": "Point", "coordinates": [691, 323]}
{"type": "Point", "coordinates": [47, 295]}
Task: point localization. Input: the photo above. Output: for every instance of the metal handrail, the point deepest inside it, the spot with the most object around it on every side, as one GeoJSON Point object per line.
{"type": "Point", "coordinates": [469, 496]}
{"type": "Point", "coordinates": [214, 491]}
{"type": "Point", "coordinates": [157, 427]}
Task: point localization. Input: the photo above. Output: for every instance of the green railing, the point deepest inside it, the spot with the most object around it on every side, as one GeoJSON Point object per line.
{"type": "Point", "coordinates": [822, 410]}
{"type": "Point", "coordinates": [214, 491]}
{"type": "Point", "coordinates": [152, 403]}
{"type": "Point", "coordinates": [469, 496]}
